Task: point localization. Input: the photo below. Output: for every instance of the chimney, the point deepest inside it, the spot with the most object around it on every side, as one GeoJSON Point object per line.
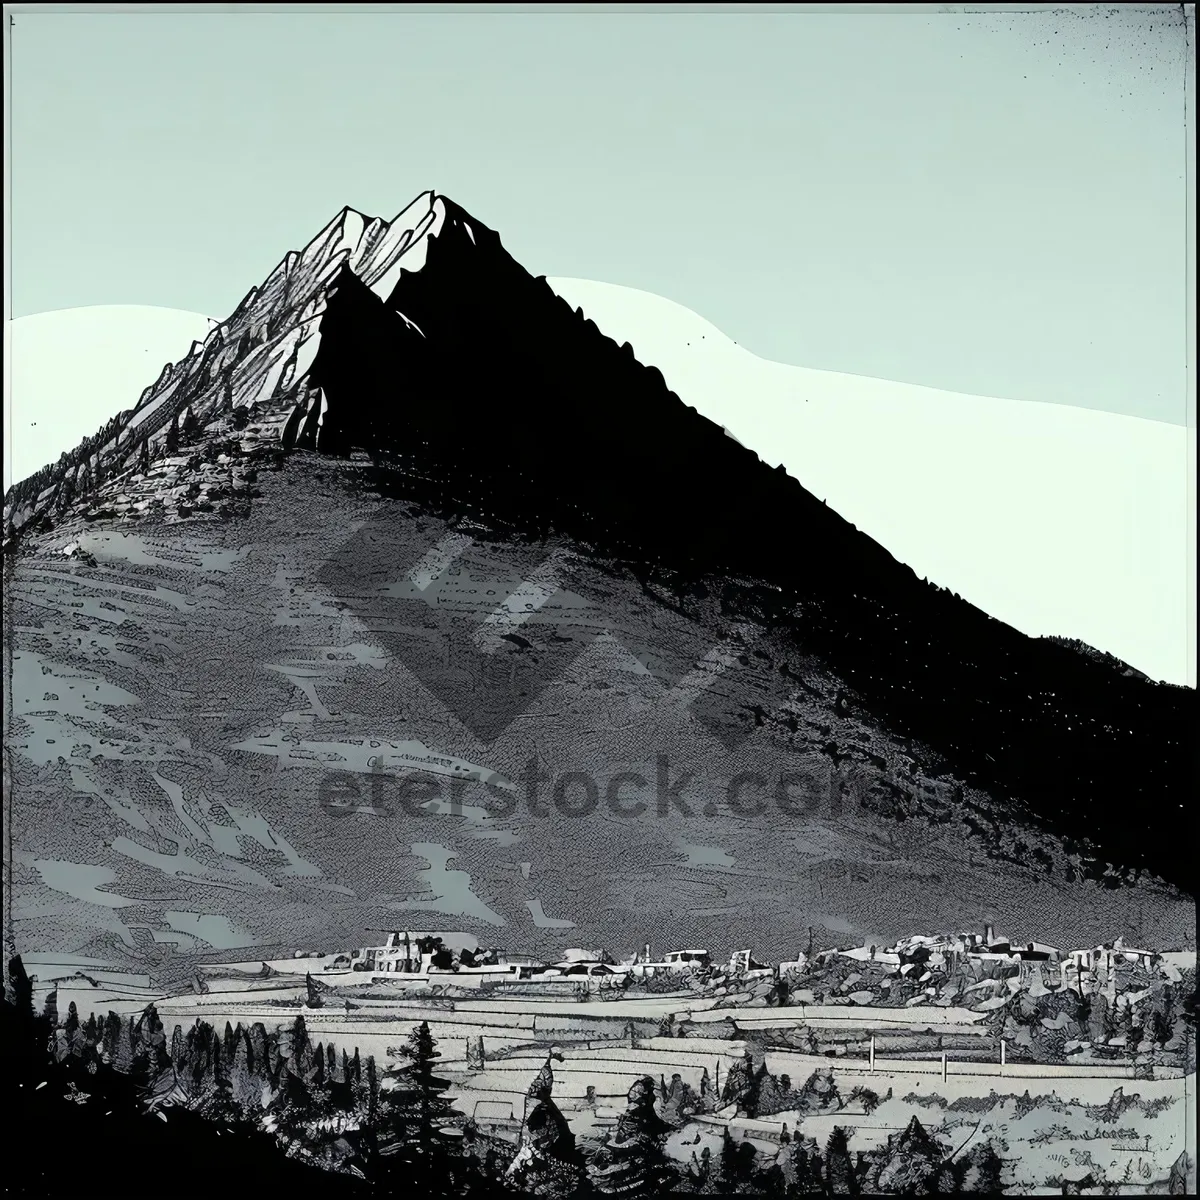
{"type": "Point", "coordinates": [989, 934]}
{"type": "Point", "coordinates": [646, 953]}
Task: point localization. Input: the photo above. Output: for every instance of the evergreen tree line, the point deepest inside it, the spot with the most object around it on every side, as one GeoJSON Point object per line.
{"type": "Point", "coordinates": [630, 1159]}
{"type": "Point", "coordinates": [1161, 1024]}
{"type": "Point", "coordinates": [912, 1162]}
{"type": "Point", "coordinates": [757, 1093]}
{"type": "Point", "coordinates": [273, 1105]}
{"type": "Point", "coordinates": [78, 1122]}
{"type": "Point", "coordinates": [260, 1107]}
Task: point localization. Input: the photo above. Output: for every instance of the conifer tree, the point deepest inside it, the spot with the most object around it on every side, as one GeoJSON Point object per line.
{"type": "Point", "coordinates": [548, 1161]}
{"type": "Point", "coordinates": [245, 1085]}
{"type": "Point", "coordinates": [1130, 1029]}
{"type": "Point", "coordinates": [71, 1029]}
{"type": "Point", "coordinates": [701, 1173]}
{"type": "Point", "coordinates": [739, 1082]}
{"type": "Point", "coordinates": [737, 1161]}
{"type": "Point", "coordinates": [979, 1171]}
{"type": "Point", "coordinates": [110, 1037]}
{"type": "Point", "coordinates": [371, 1092]}
{"type": "Point", "coordinates": [260, 1047]}
{"type": "Point", "coordinates": [1096, 1017]}
{"type": "Point", "coordinates": [417, 1103]}
{"type": "Point", "coordinates": [220, 1104]}
{"type": "Point", "coordinates": [151, 1057]}
{"type": "Point", "coordinates": [178, 1050]}
{"type": "Point", "coordinates": [123, 1059]}
{"type": "Point", "coordinates": [840, 1178]}
{"type": "Point", "coordinates": [91, 1036]}
{"type": "Point", "coordinates": [631, 1160]}
{"type": "Point", "coordinates": [802, 1168]}
{"type": "Point", "coordinates": [912, 1162]}
{"type": "Point", "coordinates": [298, 1044]}
{"type": "Point", "coordinates": [678, 1101]}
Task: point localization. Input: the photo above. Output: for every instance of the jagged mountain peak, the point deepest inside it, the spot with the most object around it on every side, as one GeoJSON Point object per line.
{"type": "Point", "coordinates": [252, 367]}
{"type": "Point", "coordinates": [253, 374]}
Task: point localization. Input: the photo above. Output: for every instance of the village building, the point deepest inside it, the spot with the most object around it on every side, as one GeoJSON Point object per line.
{"type": "Point", "coordinates": [743, 962]}
{"type": "Point", "coordinates": [672, 961]}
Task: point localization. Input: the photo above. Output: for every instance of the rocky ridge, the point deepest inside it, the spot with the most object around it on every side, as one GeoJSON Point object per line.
{"type": "Point", "coordinates": [240, 386]}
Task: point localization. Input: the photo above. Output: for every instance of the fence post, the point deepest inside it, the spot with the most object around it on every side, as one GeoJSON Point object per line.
{"type": "Point", "coordinates": [943, 1068]}
{"type": "Point", "coordinates": [872, 1052]}
{"type": "Point", "coordinates": [1002, 1045]}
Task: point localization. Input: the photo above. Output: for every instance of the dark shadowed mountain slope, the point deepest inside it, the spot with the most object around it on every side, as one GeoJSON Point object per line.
{"type": "Point", "coordinates": [511, 404]}
{"type": "Point", "coordinates": [477, 392]}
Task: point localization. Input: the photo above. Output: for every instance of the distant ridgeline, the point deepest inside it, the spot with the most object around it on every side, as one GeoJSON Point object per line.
{"type": "Point", "coordinates": [1100, 656]}
{"type": "Point", "coordinates": [477, 392]}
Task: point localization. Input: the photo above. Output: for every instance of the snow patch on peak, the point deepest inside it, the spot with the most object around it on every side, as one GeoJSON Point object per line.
{"type": "Point", "coordinates": [411, 215]}
{"type": "Point", "coordinates": [351, 229]}
{"type": "Point", "coordinates": [410, 254]}
{"type": "Point", "coordinates": [343, 233]}
{"type": "Point", "coordinates": [378, 268]}
{"type": "Point", "coordinates": [367, 243]}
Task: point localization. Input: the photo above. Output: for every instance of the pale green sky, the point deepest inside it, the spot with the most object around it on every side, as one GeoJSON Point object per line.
{"type": "Point", "coordinates": [991, 204]}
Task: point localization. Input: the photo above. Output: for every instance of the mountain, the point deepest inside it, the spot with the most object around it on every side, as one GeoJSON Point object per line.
{"type": "Point", "coordinates": [406, 509]}
{"type": "Point", "coordinates": [1087, 542]}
